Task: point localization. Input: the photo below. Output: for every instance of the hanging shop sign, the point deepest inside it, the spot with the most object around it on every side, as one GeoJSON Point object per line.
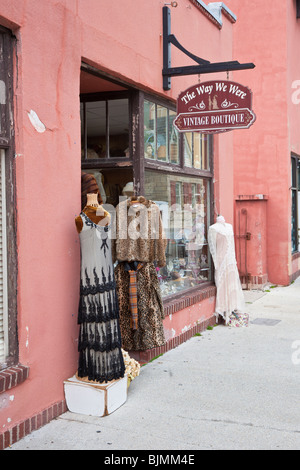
{"type": "Point", "coordinates": [214, 107]}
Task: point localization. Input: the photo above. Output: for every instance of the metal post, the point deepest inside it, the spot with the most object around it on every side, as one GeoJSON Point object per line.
{"type": "Point", "coordinates": [166, 46]}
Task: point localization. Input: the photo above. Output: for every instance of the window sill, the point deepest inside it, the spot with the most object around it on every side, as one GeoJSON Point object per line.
{"type": "Point", "coordinates": [13, 376]}
{"type": "Point", "coordinates": [295, 255]}
{"type": "Point", "coordinates": [185, 299]}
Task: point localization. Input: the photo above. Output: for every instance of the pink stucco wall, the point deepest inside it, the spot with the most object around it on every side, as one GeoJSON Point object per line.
{"type": "Point", "coordinates": [267, 33]}
{"type": "Point", "coordinates": [52, 39]}
{"type": "Point", "coordinates": [179, 322]}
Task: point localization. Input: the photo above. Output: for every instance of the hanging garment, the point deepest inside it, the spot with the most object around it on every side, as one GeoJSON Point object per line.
{"type": "Point", "coordinates": [139, 232]}
{"type": "Point", "coordinates": [133, 294]}
{"type": "Point", "coordinates": [139, 239]}
{"type": "Point", "coordinates": [150, 312]}
{"type": "Point", "coordinates": [100, 355]}
{"type": "Point", "coordinates": [230, 297]}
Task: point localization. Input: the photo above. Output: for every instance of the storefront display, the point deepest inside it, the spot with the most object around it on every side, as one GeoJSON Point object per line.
{"type": "Point", "coordinates": [230, 304]}
{"type": "Point", "coordinates": [100, 354]}
{"type": "Point", "coordinates": [172, 170]}
{"type": "Point", "coordinates": [184, 203]}
{"type": "Point", "coordinates": [139, 243]}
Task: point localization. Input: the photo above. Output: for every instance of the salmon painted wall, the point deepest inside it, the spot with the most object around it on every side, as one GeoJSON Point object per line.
{"type": "Point", "coordinates": [184, 320]}
{"type": "Point", "coordinates": [48, 195]}
{"type": "Point", "coordinates": [262, 153]}
{"type": "Point", "coordinates": [52, 39]}
{"type": "Point", "coordinates": [293, 99]}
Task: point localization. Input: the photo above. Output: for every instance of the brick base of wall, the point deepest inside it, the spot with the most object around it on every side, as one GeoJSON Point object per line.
{"type": "Point", "coordinates": [294, 276]}
{"type": "Point", "coordinates": [145, 356]}
{"type": "Point", "coordinates": [254, 282]}
{"type": "Point", "coordinates": [21, 430]}
{"type": "Point", "coordinates": [13, 376]}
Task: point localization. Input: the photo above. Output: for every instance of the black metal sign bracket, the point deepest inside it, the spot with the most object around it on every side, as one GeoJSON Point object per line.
{"type": "Point", "coordinates": [204, 66]}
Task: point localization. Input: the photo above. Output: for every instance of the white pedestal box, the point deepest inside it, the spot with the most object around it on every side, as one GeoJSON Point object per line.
{"type": "Point", "coordinates": [95, 399]}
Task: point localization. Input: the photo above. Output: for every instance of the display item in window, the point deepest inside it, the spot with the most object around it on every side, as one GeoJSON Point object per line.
{"type": "Point", "coordinates": [140, 242]}
{"type": "Point", "coordinates": [128, 189]}
{"type": "Point", "coordinates": [99, 345]}
{"type": "Point", "coordinates": [89, 186]}
{"type": "Point", "coordinates": [150, 312]}
{"type": "Point", "coordinates": [100, 181]}
{"type": "Point", "coordinates": [230, 304]}
{"type": "Point", "coordinates": [139, 232]}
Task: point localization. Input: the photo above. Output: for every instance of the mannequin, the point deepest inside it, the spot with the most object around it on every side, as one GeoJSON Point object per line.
{"type": "Point", "coordinates": [99, 344]}
{"type": "Point", "coordinates": [230, 297]}
{"type": "Point", "coordinates": [94, 211]}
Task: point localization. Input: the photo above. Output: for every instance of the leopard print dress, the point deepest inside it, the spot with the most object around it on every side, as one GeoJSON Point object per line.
{"type": "Point", "coordinates": [150, 331]}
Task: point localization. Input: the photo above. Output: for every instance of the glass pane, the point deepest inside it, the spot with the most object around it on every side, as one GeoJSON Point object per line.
{"type": "Point", "coordinates": [207, 145]}
{"type": "Point", "coordinates": [188, 149]}
{"type": "Point", "coordinates": [118, 128]}
{"type": "Point", "coordinates": [96, 129]}
{"type": "Point", "coordinates": [149, 130]}
{"type": "Point", "coordinates": [298, 220]}
{"type": "Point", "coordinates": [293, 178]}
{"type": "Point", "coordinates": [197, 150]}
{"type": "Point", "coordinates": [82, 129]}
{"type": "Point", "coordinates": [173, 140]}
{"type": "Point", "coordinates": [162, 133]}
{"type": "Point", "coordinates": [184, 204]}
{"type": "Point", "coordinates": [97, 122]}
{"type": "Point", "coordinates": [294, 222]}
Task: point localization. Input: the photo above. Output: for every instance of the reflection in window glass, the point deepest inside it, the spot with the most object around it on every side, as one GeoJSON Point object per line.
{"type": "Point", "coordinates": [161, 140]}
{"type": "Point", "coordinates": [173, 140]}
{"type": "Point", "coordinates": [118, 128]}
{"type": "Point", "coordinates": [188, 149]}
{"type": "Point", "coordinates": [149, 130]}
{"type": "Point", "coordinates": [184, 204]}
{"type": "Point", "coordinates": [162, 129]}
{"type": "Point", "coordinates": [107, 128]}
{"type": "Point", "coordinates": [197, 150]}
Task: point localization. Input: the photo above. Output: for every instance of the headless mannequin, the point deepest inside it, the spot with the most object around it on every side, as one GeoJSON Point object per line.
{"type": "Point", "coordinates": [99, 216]}
{"type": "Point", "coordinates": [230, 298]}
{"type": "Point", "coordinates": [94, 211]}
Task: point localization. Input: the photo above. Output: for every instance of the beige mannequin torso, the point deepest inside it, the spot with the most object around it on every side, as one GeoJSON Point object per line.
{"type": "Point", "coordinates": [94, 211]}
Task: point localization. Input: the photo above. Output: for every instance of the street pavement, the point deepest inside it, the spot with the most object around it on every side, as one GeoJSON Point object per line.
{"type": "Point", "coordinates": [228, 389]}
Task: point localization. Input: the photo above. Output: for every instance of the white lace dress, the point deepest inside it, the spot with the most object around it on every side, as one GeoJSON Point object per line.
{"type": "Point", "coordinates": [99, 345]}
{"type": "Point", "coordinates": [230, 296]}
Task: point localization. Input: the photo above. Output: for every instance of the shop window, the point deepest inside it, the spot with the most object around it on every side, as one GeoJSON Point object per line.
{"type": "Point", "coordinates": [161, 140]}
{"type": "Point", "coordinates": [182, 195]}
{"type": "Point", "coordinates": [172, 169]}
{"type": "Point", "coordinates": [197, 150]}
{"type": "Point", "coordinates": [104, 128]}
{"type": "Point", "coordinates": [295, 177]}
{"type": "Point", "coordinates": [185, 207]}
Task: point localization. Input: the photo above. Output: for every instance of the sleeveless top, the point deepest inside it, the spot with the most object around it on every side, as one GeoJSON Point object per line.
{"type": "Point", "coordinates": [100, 354]}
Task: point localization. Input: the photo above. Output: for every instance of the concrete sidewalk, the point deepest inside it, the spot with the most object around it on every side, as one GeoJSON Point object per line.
{"type": "Point", "coordinates": [229, 388]}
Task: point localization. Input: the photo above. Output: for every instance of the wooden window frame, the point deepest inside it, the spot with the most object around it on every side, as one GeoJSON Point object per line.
{"type": "Point", "coordinates": [8, 146]}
